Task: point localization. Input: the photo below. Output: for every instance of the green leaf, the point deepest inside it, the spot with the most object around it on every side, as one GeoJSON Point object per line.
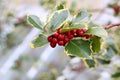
{"type": "Point", "coordinates": [75, 26]}
{"type": "Point", "coordinates": [95, 44]}
{"type": "Point", "coordinates": [110, 53]}
{"type": "Point", "coordinates": [91, 24]}
{"type": "Point", "coordinates": [57, 19]}
{"type": "Point", "coordinates": [67, 29]}
{"type": "Point", "coordinates": [78, 47]}
{"type": "Point", "coordinates": [90, 63]}
{"type": "Point", "coordinates": [39, 41]}
{"type": "Point", "coordinates": [103, 61]}
{"type": "Point", "coordinates": [80, 25]}
{"type": "Point", "coordinates": [116, 75]}
{"type": "Point", "coordinates": [107, 53]}
{"type": "Point", "coordinates": [112, 43]}
{"type": "Point", "coordinates": [112, 5]}
{"type": "Point", "coordinates": [82, 16]}
{"type": "Point", "coordinates": [71, 56]}
{"type": "Point", "coordinates": [97, 31]}
{"type": "Point", "coordinates": [60, 6]}
{"type": "Point", "coordinates": [35, 21]}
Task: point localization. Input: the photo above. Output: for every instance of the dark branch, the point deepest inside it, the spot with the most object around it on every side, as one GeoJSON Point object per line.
{"type": "Point", "coordinates": [112, 25]}
{"type": "Point", "coordinates": [96, 10]}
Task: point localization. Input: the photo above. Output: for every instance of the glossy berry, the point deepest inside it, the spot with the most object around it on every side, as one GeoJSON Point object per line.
{"type": "Point", "coordinates": [49, 38]}
{"type": "Point", "coordinates": [70, 36]}
{"type": "Point", "coordinates": [80, 32]}
{"type": "Point", "coordinates": [68, 33]}
{"type": "Point", "coordinates": [84, 30]}
{"type": "Point", "coordinates": [73, 32]}
{"type": "Point", "coordinates": [61, 37]}
{"type": "Point", "coordinates": [61, 43]}
{"type": "Point", "coordinates": [56, 35]}
{"type": "Point", "coordinates": [54, 40]}
{"type": "Point", "coordinates": [87, 36]}
{"type": "Point", "coordinates": [52, 45]}
{"type": "Point", "coordinates": [58, 30]}
{"type": "Point", "coordinates": [66, 39]}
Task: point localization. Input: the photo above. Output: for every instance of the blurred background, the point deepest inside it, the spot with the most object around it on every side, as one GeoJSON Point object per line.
{"type": "Point", "coordinates": [18, 61]}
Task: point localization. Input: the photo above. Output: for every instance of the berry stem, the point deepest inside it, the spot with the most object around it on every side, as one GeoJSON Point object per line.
{"type": "Point", "coordinates": [111, 25]}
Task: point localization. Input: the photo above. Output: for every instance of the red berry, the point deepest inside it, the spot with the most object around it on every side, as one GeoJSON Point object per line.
{"type": "Point", "coordinates": [88, 36]}
{"type": "Point", "coordinates": [52, 45]}
{"type": "Point", "coordinates": [73, 32]}
{"type": "Point", "coordinates": [49, 38]}
{"type": "Point", "coordinates": [54, 40]}
{"type": "Point", "coordinates": [58, 30]}
{"type": "Point", "coordinates": [61, 43]}
{"type": "Point", "coordinates": [80, 32]}
{"type": "Point", "coordinates": [70, 36]}
{"type": "Point", "coordinates": [61, 37]}
{"type": "Point", "coordinates": [68, 33]}
{"type": "Point", "coordinates": [84, 30]}
{"type": "Point", "coordinates": [56, 35]}
{"type": "Point", "coordinates": [66, 39]}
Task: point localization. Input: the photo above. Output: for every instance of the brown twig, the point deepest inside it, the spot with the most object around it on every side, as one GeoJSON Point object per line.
{"type": "Point", "coordinates": [111, 25]}
{"type": "Point", "coordinates": [95, 10]}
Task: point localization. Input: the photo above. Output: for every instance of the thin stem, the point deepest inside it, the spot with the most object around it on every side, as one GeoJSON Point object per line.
{"type": "Point", "coordinates": [96, 10]}
{"type": "Point", "coordinates": [111, 25]}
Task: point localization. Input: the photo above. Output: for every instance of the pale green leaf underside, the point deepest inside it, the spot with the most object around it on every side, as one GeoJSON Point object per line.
{"type": "Point", "coordinates": [78, 47]}
{"type": "Point", "coordinates": [35, 21]}
{"type": "Point", "coordinates": [39, 41]}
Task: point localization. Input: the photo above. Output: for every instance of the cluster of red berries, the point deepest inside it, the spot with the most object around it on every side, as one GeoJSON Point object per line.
{"type": "Point", "coordinates": [62, 38]}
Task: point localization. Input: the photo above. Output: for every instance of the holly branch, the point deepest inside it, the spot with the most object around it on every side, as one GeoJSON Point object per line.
{"type": "Point", "coordinates": [111, 25]}
{"type": "Point", "coordinates": [79, 37]}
